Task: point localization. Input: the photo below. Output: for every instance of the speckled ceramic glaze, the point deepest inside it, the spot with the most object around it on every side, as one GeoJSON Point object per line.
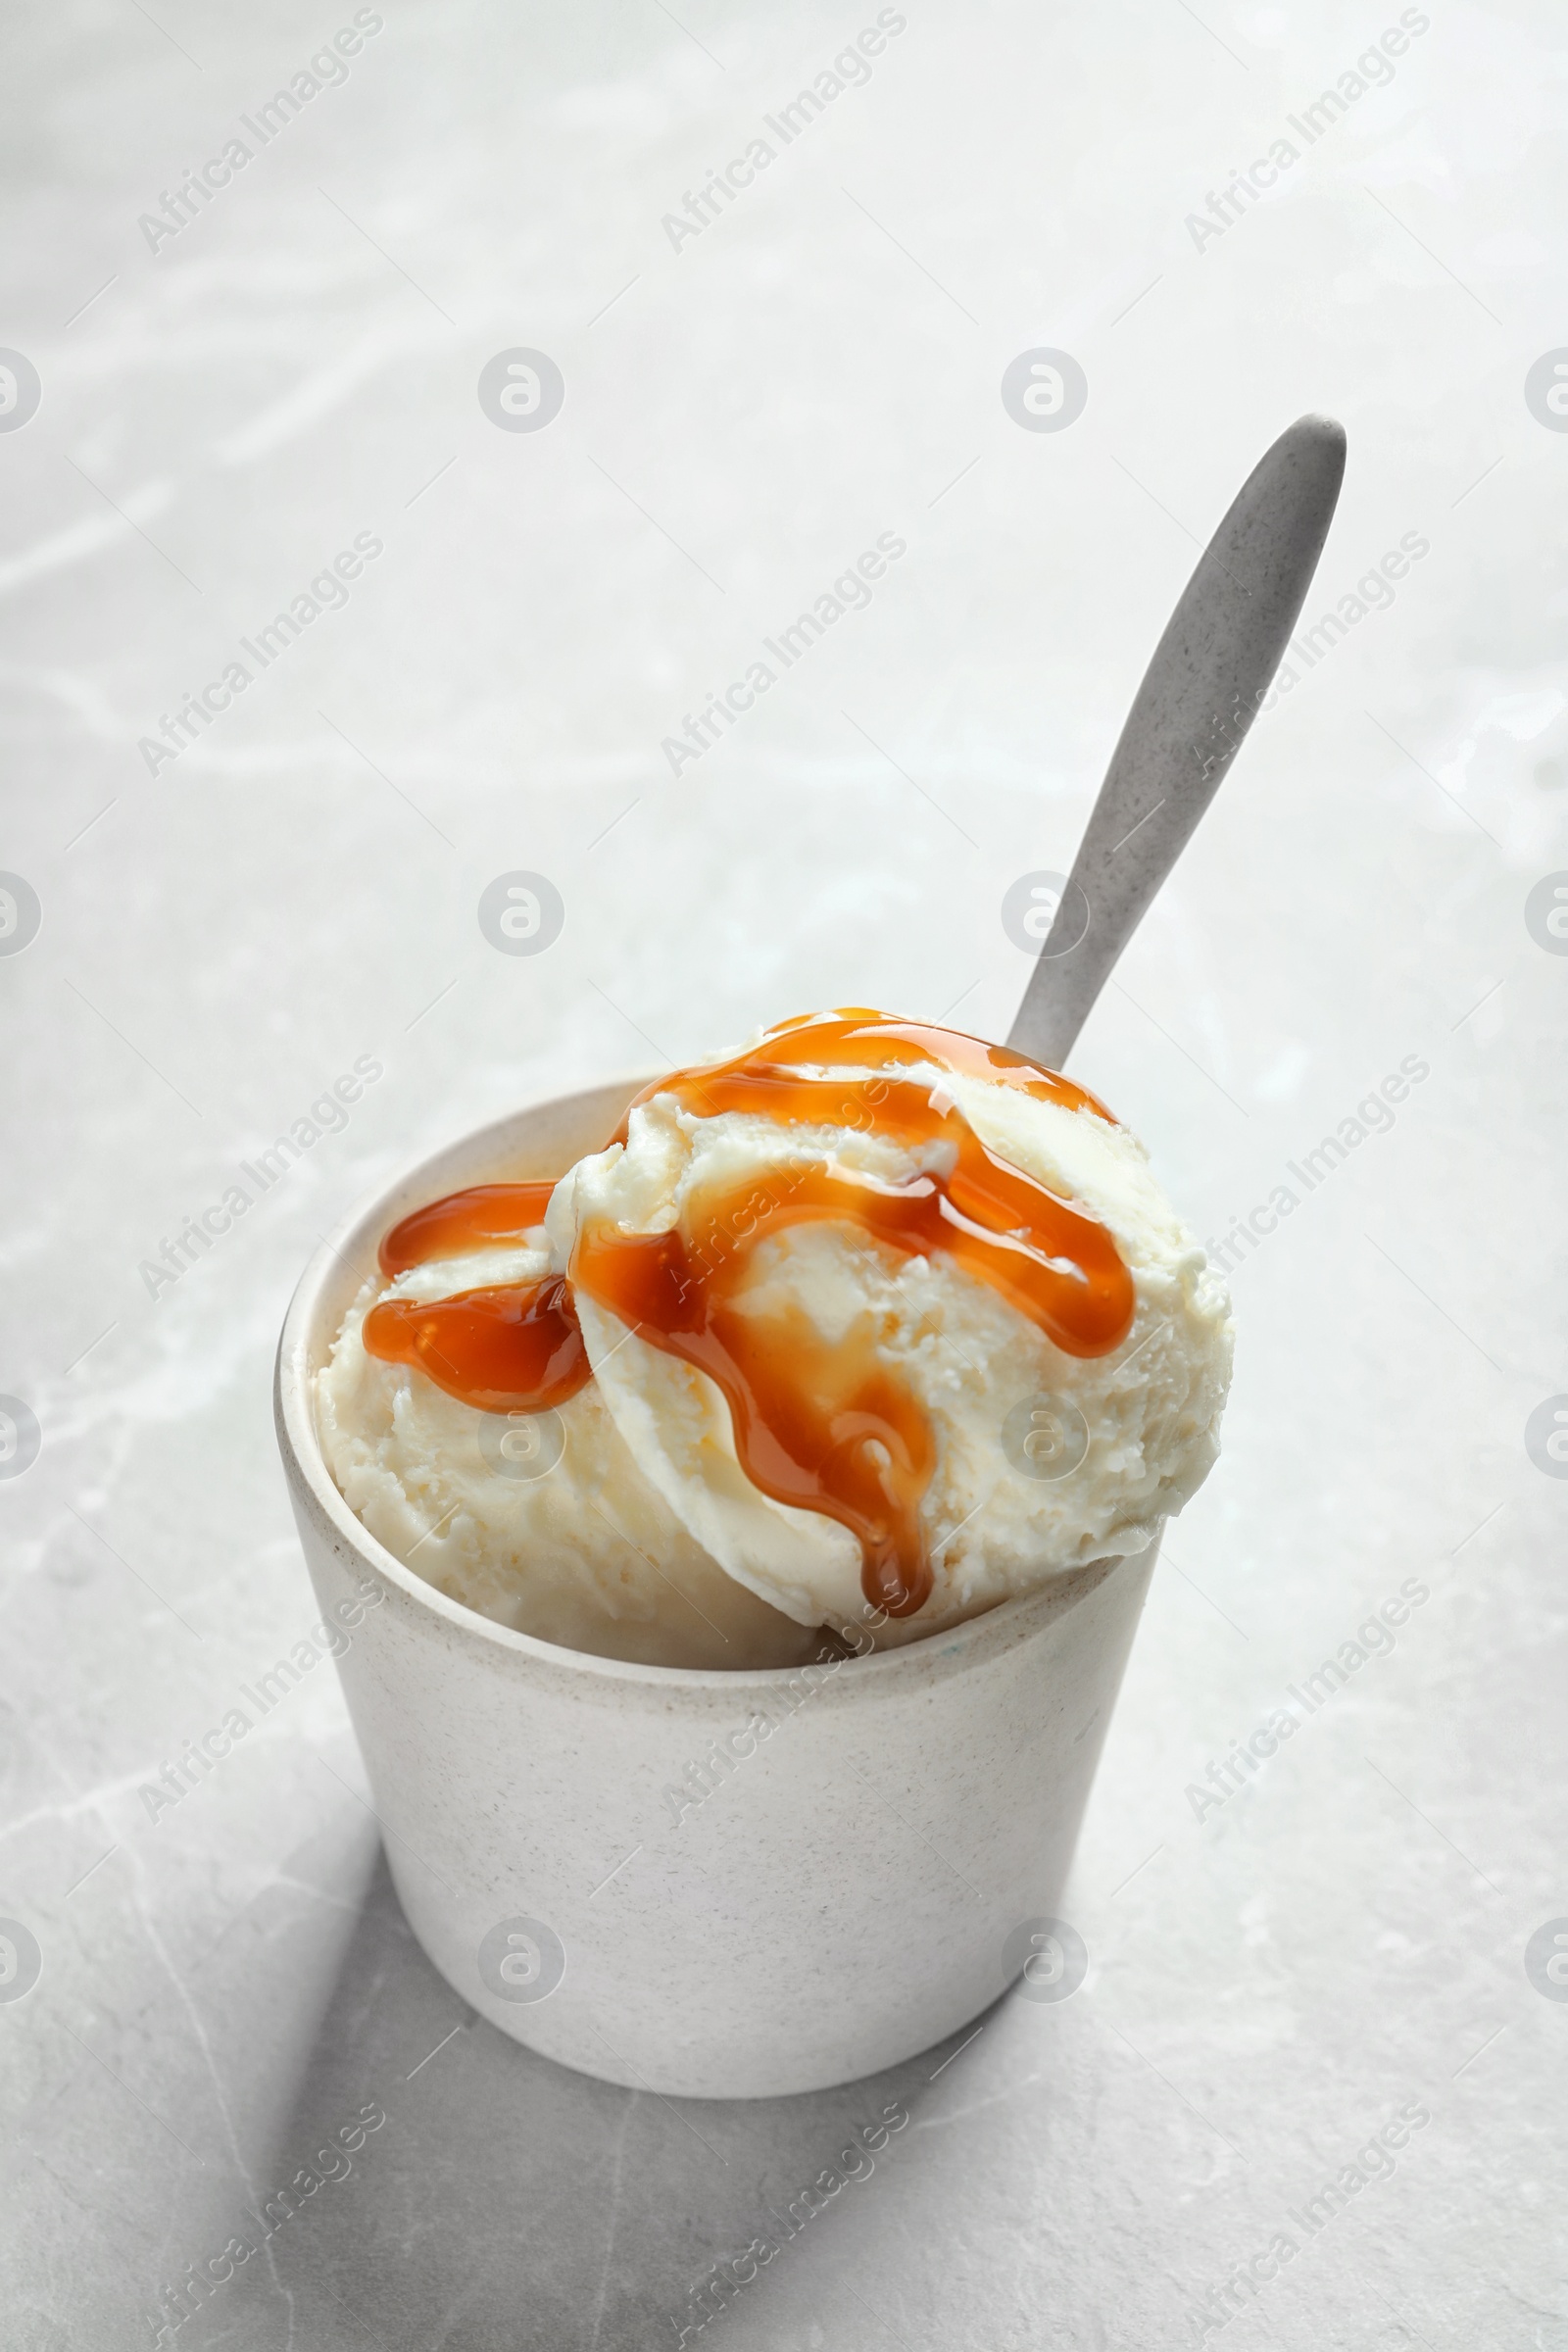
{"type": "Point", "coordinates": [712, 1884]}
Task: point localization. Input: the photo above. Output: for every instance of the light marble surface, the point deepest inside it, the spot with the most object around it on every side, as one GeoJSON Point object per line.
{"type": "Point", "coordinates": [227, 1984]}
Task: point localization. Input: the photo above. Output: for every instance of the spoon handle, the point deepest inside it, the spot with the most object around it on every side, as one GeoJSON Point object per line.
{"type": "Point", "coordinates": [1199, 695]}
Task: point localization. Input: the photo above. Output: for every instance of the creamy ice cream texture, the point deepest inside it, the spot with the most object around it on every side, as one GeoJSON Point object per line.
{"type": "Point", "coordinates": [869, 1327]}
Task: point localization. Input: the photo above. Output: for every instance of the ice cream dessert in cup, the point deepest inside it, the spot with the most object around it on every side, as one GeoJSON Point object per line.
{"type": "Point", "coordinates": [745, 1486]}
{"type": "Point", "coordinates": [804, 1418]}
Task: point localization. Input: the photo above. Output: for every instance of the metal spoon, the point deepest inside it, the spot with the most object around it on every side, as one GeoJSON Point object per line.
{"type": "Point", "coordinates": [1199, 695]}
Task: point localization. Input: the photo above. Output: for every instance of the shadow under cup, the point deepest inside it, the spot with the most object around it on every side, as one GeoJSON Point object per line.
{"type": "Point", "coordinates": [712, 1884]}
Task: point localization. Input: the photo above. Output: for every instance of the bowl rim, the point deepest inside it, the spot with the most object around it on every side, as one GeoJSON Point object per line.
{"type": "Point", "coordinates": [300, 1340]}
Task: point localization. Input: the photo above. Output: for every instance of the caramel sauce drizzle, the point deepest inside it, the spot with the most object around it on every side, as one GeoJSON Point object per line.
{"type": "Point", "coordinates": [826, 1426]}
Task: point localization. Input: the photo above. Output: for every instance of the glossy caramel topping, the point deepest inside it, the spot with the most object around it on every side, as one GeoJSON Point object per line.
{"type": "Point", "coordinates": [512, 1346]}
{"type": "Point", "coordinates": [486, 1213]}
{"type": "Point", "coordinates": [516, 1344]}
{"type": "Point", "coordinates": [829, 1428]}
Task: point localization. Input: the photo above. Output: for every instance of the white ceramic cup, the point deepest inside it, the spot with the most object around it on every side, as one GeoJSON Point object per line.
{"type": "Point", "coordinates": [713, 1885]}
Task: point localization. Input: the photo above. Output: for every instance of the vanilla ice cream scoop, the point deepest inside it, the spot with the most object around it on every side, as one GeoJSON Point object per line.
{"type": "Point", "coordinates": [870, 1326]}
{"type": "Point", "coordinates": [541, 1521]}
